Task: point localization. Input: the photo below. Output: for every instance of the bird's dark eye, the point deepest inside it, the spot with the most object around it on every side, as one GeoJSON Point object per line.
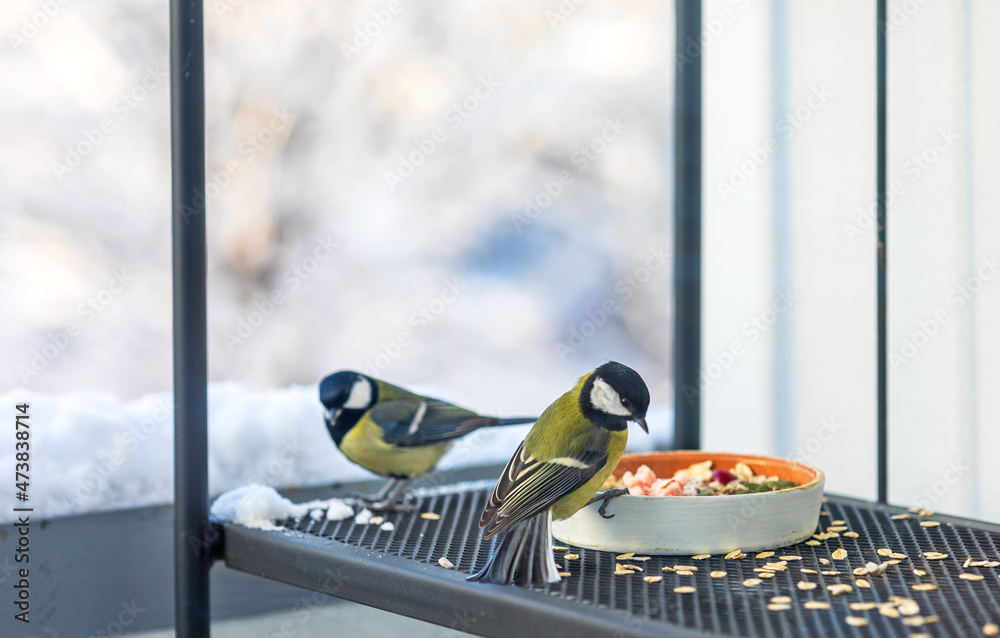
{"type": "Point", "coordinates": [625, 403]}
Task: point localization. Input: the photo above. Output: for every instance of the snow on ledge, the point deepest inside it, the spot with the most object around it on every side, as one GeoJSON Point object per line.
{"type": "Point", "coordinates": [92, 451]}
{"type": "Point", "coordinates": [257, 506]}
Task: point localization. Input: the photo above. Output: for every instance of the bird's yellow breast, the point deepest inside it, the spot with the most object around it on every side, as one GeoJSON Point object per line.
{"type": "Point", "coordinates": [364, 445]}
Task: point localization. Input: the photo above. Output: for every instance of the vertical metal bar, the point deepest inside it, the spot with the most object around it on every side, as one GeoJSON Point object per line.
{"type": "Point", "coordinates": [687, 225]}
{"type": "Point", "coordinates": [192, 557]}
{"type": "Point", "coordinates": [880, 186]}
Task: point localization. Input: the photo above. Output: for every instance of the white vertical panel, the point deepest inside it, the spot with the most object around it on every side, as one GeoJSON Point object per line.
{"type": "Point", "coordinates": [737, 407]}
{"type": "Point", "coordinates": [831, 180]}
{"type": "Point", "coordinates": [817, 128]}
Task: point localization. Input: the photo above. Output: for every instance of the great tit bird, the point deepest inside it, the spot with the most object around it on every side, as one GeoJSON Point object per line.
{"type": "Point", "coordinates": [392, 432]}
{"type": "Point", "coordinates": [566, 457]}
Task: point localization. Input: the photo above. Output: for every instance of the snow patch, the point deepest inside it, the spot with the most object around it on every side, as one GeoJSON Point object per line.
{"type": "Point", "coordinates": [258, 506]}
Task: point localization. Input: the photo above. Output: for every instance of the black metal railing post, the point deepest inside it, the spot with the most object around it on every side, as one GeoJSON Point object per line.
{"type": "Point", "coordinates": [881, 28]}
{"type": "Point", "coordinates": [192, 558]}
{"type": "Point", "coordinates": [687, 225]}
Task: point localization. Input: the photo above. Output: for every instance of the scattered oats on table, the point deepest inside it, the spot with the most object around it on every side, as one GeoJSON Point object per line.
{"type": "Point", "coordinates": [830, 572]}
{"type": "Point", "coordinates": [625, 556]}
{"type": "Point", "coordinates": [862, 583]}
{"type": "Point", "coordinates": [816, 604]}
{"type": "Point", "coordinates": [735, 555]}
{"type": "Point", "coordinates": [790, 557]}
{"type": "Point", "coordinates": [430, 516]}
{"type": "Point", "coordinates": [899, 517]}
{"type": "Point", "coordinates": [764, 555]}
{"type": "Point", "coordinates": [825, 561]}
{"type": "Point", "coordinates": [851, 534]}
{"type": "Point", "coordinates": [652, 579]}
{"type": "Point", "coordinates": [925, 587]}
{"type": "Point", "coordinates": [919, 572]}
{"type": "Point", "coordinates": [376, 520]}
{"type": "Point", "coordinates": [781, 599]}
{"type": "Point", "coordinates": [888, 611]}
{"type": "Point", "coordinates": [766, 575]}
{"type": "Point", "coordinates": [556, 548]}
{"type": "Point", "coordinates": [970, 576]}
{"type": "Point", "coordinates": [839, 554]}
{"type": "Point", "coordinates": [883, 551]}
{"type": "Point", "coordinates": [839, 588]}
{"type": "Point", "coordinates": [701, 556]}
{"type": "Point", "coordinates": [812, 543]}
{"type": "Point", "coordinates": [778, 607]}
{"type": "Point", "coordinates": [667, 568]}
{"type": "Point", "coordinates": [929, 524]}
{"type": "Point", "coordinates": [444, 562]}
{"type": "Point", "coordinates": [806, 585]}
{"type": "Point", "coordinates": [687, 568]}
{"type": "Point", "coordinates": [717, 574]}
{"type": "Point", "coordinates": [684, 572]}
{"type": "Point", "coordinates": [856, 621]}
{"type": "Point", "coordinates": [684, 589]}
{"type": "Point", "coordinates": [898, 555]}
{"type": "Point", "coordinates": [806, 570]}
{"type": "Point", "coordinates": [935, 555]}
{"type": "Point", "coordinates": [752, 582]}
{"type": "Point", "coordinates": [991, 629]}
{"type": "Point", "coordinates": [836, 529]}
{"type": "Point", "coordinates": [860, 571]}
{"type": "Point", "coordinates": [571, 556]}
{"type": "Point", "coordinates": [565, 574]}
{"type": "Point", "coordinates": [862, 606]}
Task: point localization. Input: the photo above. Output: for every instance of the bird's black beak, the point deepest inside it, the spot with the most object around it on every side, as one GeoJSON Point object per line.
{"type": "Point", "coordinates": [642, 423]}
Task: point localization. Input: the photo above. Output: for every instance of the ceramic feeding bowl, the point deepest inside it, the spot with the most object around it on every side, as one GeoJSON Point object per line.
{"type": "Point", "coordinates": [701, 524]}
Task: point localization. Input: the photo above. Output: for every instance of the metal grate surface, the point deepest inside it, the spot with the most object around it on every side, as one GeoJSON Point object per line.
{"type": "Point", "coordinates": [725, 606]}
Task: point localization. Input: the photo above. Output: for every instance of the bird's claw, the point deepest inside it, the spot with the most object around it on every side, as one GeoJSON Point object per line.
{"type": "Point", "coordinates": [606, 496]}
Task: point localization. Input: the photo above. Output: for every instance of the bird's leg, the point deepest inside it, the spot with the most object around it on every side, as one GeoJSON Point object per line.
{"type": "Point", "coordinates": [606, 496]}
{"type": "Point", "coordinates": [386, 499]}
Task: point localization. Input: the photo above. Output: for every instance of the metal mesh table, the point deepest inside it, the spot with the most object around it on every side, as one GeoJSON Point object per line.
{"type": "Point", "coordinates": [397, 569]}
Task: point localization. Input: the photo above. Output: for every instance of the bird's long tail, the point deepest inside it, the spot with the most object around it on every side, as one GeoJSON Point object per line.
{"type": "Point", "coordinates": [514, 420]}
{"type": "Point", "coordinates": [523, 556]}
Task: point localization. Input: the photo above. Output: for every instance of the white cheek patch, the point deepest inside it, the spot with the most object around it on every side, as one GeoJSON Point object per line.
{"type": "Point", "coordinates": [361, 395]}
{"type": "Point", "coordinates": [604, 398]}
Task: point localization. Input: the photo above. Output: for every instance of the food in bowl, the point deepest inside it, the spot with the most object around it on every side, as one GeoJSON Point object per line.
{"type": "Point", "coordinates": [698, 479]}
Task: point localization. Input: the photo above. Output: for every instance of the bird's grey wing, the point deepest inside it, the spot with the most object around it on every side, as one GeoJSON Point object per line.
{"type": "Point", "coordinates": [410, 423]}
{"type": "Point", "coordinates": [529, 486]}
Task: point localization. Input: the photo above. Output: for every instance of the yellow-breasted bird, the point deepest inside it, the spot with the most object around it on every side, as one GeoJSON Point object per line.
{"type": "Point", "coordinates": [566, 457]}
{"type": "Point", "coordinates": [393, 432]}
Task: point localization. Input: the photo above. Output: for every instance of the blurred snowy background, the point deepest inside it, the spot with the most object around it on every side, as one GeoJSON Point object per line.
{"type": "Point", "coordinates": [475, 200]}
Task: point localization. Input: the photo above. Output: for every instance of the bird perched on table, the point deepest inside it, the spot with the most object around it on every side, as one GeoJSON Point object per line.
{"type": "Point", "coordinates": [566, 457]}
{"type": "Point", "coordinates": [393, 432]}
